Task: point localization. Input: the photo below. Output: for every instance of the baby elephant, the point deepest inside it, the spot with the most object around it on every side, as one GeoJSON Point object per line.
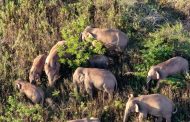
{"type": "Point", "coordinates": [99, 61]}
{"type": "Point", "coordinates": [170, 67]}
{"type": "Point", "coordinates": [35, 94]}
{"type": "Point", "coordinates": [93, 77]}
{"type": "Point", "coordinates": [37, 68]}
{"type": "Point", "coordinates": [85, 120]}
{"type": "Point", "coordinates": [154, 104]}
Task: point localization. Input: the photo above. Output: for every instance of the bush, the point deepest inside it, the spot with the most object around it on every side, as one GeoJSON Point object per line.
{"type": "Point", "coordinates": [16, 111]}
{"type": "Point", "coordinates": [81, 51]}
{"type": "Point", "coordinates": [165, 43]}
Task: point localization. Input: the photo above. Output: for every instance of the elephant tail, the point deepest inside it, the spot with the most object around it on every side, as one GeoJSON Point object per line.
{"type": "Point", "coordinates": [175, 110]}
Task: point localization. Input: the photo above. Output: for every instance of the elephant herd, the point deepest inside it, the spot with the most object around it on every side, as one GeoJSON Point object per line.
{"type": "Point", "coordinates": [102, 79]}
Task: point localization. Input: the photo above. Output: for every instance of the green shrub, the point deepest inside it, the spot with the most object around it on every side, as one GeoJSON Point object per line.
{"type": "Point", "coordinates": [175, 82]}
{"type": "Point", "coordinates": [81, 51]}
{"type": "Point", "coordinates": [165, 43]}
{"type": "Point", "coordinates": [16, 111]}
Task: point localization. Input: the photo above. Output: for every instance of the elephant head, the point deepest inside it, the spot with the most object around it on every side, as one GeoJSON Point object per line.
{"type": "Point", "coordinates": [131, 106]}
{"type": "Point", "coordinates": [153, 74]}
{"type": "Point", "coordinates": [18, 84]}
{"type": "Point", "coordinates": [87, 33]}
{"type": "Point", "coordinates": [78, 77]}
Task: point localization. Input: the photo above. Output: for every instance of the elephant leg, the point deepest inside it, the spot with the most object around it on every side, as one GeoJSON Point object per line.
{"type": "Point", "coordinates": [142, 116]}
{"type": "Point", "coordinates": [158, 84]}
{"type": "Point", "coordinates": [168, 118]}
{"type": "Point", "coordinates": [89, 89]}
{"type": "Point", "coordinates": [159, 119]}
{"type": "Point", "coordinates": [110, 96]}
{"type": "Point", "coordinates": [148, 85]}
{"type": "Point", "coordinates": [103, 96]}
{"type": "Point", "coordinates": [185, 73]}
{"type": "Point", "coordinates": [90, 92]}
{"type": "Point", "coordinates": [110, 92]}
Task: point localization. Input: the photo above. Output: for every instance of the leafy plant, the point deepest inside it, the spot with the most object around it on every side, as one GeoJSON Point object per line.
{"type": "Point", "coordinates": [165, 43]}
{"type": "Point", "coordinates": [79, 51]}
{"type": "Point", "coordinates": [17, 111]}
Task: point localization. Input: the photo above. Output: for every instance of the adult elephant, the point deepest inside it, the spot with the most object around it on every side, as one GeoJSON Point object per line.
{"type": "Point", "coordinates": [52, 65]}
{"type": "Point", "coordinates": [154, 104]}
{"type": "Point", "coordinates": [167, 68]}
{"type": "Point", "coordinates": [91, 78]}
{"type": "Point", "coordinates": [112, 39]}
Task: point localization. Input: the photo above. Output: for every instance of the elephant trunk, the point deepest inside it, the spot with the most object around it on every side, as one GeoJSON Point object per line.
{"type": "Point", "coordinates": [125, 116]}
{"type": "Point", "coordinates": [148, 82]}
{"type": "Point", "coordinates": [56, 77]}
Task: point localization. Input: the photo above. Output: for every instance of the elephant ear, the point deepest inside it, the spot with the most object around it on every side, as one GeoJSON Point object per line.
{"type": "Point", "coordinates": [18, 85]}
{"type": "Point", "coordinates": [131, 96]}
{"type": "Point", "coordinates": [90, 35]}
{"type": "Point", "coordinates": [81, 77]}
{"type": "Point", "coordinates": [88, 27]}
{"type": "Point", "coordinates": [157, 75]}
{"type": "Point", "coordinates": [136, 108]}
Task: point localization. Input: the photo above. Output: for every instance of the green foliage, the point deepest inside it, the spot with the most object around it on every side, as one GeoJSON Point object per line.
{"type": "Point", "coordinates": [175, 82]}
{"type": "Point", "coordinates": [164, 43]}
{"type": "Point", "coordinates": [55, 93]}
{"type": "Point", "coordinates": [118, 104]}
{"type": "Point", "coordinates": [18, 112]}
{"type": "Point", "coordinates": [81, 51]}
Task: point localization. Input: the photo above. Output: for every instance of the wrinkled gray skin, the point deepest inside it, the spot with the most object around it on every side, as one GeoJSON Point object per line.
{"type": "Point", "coordinates": [35, 94]}
{"type": "Point", "coordinates": [99, 61]}
{"type": "Point", "coordinates": [37, 68]}
{"type": "Point", "coordinates": [93, 77]}
{"type": "Point", "coordinates": [172, 66]}
{"type": "Point", "coordinates": [52, 66]}
{"type": "Point", "coordinates": [85, 120]}
{"type": "Point", "coordinates": [112, 39]}
{"type": "Point", "coordinates": [155, 104]}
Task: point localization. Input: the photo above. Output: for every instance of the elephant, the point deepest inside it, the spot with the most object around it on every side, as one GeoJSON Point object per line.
{"type": "Point", "coordinates": [112, 39]}
{"type": "Point", "coordinates": [52, 66]}
{"type": "Point", "coordinates": [100, 79]}
{"type": "Point", "coordinates": [99, 61]}
{"type": "Point", "coordinates": [37, 68]}
{"type": "Point", "coordinates": [35, 94]}
{"type": "Point", "coordinates": [172, 66]}
{"type": "Point", "coordinates": [154, 104]}
{"type": "Point", "coordinates": [92, 119]}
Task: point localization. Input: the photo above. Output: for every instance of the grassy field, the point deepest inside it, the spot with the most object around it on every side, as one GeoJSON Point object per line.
{"type": "Point", "coordinates": [157, 31]}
